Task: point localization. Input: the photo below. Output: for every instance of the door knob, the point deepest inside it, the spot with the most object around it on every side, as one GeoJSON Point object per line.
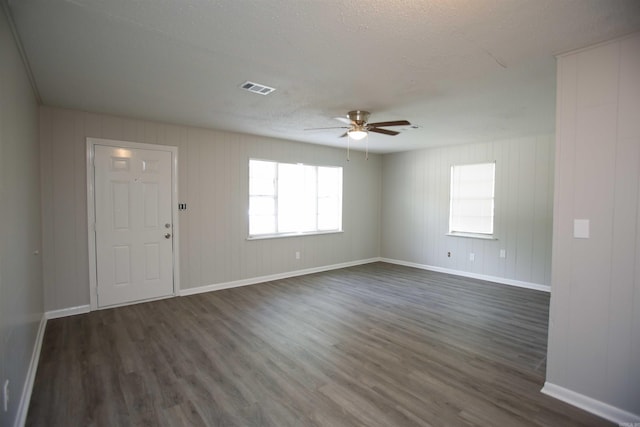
{"type": "Point", "coordinates": [167, 236]}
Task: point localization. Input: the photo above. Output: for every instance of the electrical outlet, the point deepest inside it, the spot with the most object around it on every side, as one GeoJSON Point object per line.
{"type": "Point", "coordinates": [448, 254]}
{"type": "Point", "coordinates": [5, 395]}
{"type": "Point", "coordinates": [297, 254]}
{"type": "Point", "coordinates": [472, 257]}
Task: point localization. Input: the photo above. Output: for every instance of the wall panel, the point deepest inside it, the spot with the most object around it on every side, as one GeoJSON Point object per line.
{"type": "Point", "coordinates": [213, 181]}
{"type": "Point", "coordinates": [21, 299]}
{"type": "Point", "coordinates": [415, 210]}
{"type": "Point", "coordinates": [594, 323]}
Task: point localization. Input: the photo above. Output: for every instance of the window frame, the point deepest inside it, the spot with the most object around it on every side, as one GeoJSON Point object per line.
{"type": "Point", "coordinates": [467, 233]}
{"type": "Point", "coordinates": [277, 234]}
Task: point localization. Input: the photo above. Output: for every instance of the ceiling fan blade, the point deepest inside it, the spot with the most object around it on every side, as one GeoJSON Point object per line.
{"type": "Point", "coordinates": [334, 127]}
{"type": "Point", "coordinates": [384, 131]}
{"type": "Point", "coordinates": [343, 135]}
{"type": "Point", "coordinates": [394, 123]}
{"type": "Point", "coordinates": [343, 119]}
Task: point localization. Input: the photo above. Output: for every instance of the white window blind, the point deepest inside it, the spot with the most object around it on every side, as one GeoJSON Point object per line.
{"type": "Point", "coordinates": [472, 198]}
{"type": "Point", "coordinates": [286, 198]}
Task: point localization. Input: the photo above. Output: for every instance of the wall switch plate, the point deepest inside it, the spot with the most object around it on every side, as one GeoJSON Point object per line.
{"type": "Point", "coordinates": [472, 257]}
{"type": "Point", "coordinates": [581, 228]}
{"type": "Point", "coordinates": [503, 253]}
{"type": "Point", "coordinates": [297, 254]}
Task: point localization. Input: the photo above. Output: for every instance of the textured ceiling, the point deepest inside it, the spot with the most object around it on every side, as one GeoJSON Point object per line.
{"type": "Point", "coordinates": [462, 70]}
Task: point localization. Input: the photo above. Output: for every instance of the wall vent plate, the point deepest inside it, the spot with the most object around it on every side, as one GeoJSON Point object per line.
{"type": "Point", "coordinates": [257, 88]}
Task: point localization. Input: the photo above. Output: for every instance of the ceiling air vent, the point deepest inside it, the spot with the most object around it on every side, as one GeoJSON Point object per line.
{"type": "Point", "coordinates": [257, 88]}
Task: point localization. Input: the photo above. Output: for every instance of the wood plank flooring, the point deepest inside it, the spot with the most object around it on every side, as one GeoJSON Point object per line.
{"type": "Point", "coordinates": [372, 345]}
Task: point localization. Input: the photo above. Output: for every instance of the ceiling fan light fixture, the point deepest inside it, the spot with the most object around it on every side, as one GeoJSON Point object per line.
{"type": "Point", "coordinates": [357, 134]}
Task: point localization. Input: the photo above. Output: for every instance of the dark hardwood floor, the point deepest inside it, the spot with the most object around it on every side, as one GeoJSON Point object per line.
{"type": "Point", "coordinates": [373, 345]}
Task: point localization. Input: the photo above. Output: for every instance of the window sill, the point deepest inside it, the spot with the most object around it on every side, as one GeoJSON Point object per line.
{"type": "Point", "coordinates": [283, 235]}
{"type": "Point", "coordinates": [472, 235]}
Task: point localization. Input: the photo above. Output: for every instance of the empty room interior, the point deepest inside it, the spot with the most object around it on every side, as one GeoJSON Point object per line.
{"type": "Point", "coordinates": [320, 213]}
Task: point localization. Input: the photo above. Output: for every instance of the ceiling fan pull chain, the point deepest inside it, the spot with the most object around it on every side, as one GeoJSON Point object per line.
{"type": "Point", "coordinates": [367, 145]}
{"type": "Point", "coordinates": [348, 140]}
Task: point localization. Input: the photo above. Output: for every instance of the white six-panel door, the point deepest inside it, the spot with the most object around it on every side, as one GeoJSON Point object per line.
{"type": "Point", "coordinates": [133, 224]}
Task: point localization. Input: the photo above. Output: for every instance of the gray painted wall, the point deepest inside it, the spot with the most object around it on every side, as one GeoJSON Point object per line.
{"type": "Point", "coordinates": [213, 181]}
{"type": "Point", "coordinates": [594, 335]}
{"type": "Point", "coordinates": [415, 212]}
{"type": "Point", "coordinates": [21, 305]}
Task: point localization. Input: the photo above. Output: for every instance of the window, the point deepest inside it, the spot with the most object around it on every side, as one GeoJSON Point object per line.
{"type": "Point", "coordinates": [472, 193]}
{"type": "Point", "coordinates": [287, 199]}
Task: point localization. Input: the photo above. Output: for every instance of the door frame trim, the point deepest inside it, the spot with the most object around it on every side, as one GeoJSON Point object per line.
{"type": "Point", "coordinates": [91, 215]}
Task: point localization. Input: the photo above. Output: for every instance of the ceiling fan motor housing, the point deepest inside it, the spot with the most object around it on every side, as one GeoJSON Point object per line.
{"type": "Point", "coordinates": [358, 117]}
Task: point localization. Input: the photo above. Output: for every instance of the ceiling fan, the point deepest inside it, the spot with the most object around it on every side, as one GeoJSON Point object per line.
{"type": "Point", "coordinates": [359, 127]}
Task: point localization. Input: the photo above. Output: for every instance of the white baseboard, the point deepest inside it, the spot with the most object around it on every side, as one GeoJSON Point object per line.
{"type": "Point", "coordinates": [496, 279]}
{"type": "Point", "coordinates": [596, 407]}
{"type": "Point", "coordinates": [70, 311]}
{"type": "Point", "coordinates": [268, 278]}
{"type": "Point", "coordinates": [261, 279]}
{"type": "Point", "coordinates": [25, 398]}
